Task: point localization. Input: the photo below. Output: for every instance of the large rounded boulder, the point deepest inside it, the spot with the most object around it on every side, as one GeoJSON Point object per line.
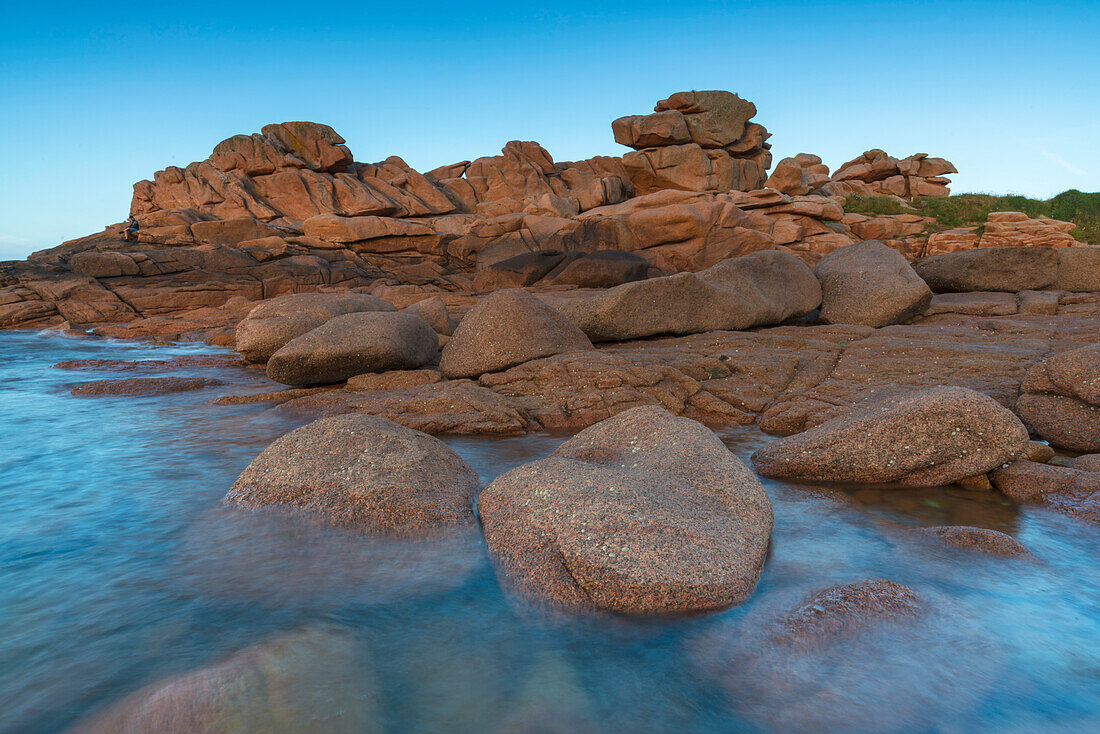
{"type": "Point", "coordinates": [508, 327]}
{"type": "Point", "coordinates": [1061, 399]}
{"type": "Point", "coordinates": [352, 344]}
{"type": "Point", "coordinates": [929, 437]}
{"type": "Point", "coordinates": [363, 472]}
{"type": "Point", "coordinates": [870, 284]}
{"type": "Point", "coordinates": [643, 513]}
{"type": "Point", "coordinates": [274, 322]}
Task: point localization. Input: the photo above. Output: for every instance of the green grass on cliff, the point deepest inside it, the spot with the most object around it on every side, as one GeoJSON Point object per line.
{"type": "Point", "coordinates": [961, 210]}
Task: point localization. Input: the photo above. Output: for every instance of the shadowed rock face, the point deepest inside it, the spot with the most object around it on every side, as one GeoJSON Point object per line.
{"type": "Point", "coordinates": [365, 473]}
{"type": "Point", "coordinates": [270, 325]}
{"type": "Point", "coordinates": [1061, 399]}
{"type": "Point", "coordinates": [352, 344]}
{"type": "Point", "coordinates": [285, 685]}
{"type": "Point", "coordinates": [643, 513]}
{"type": "Point", "coordinates": [924, 438]}
{"type": "Point", "coordinates": [755, 290]}
{"type": "Point", "coordinates": [507, 328]}
{"type": "Point", "coordinates": [871, 284]}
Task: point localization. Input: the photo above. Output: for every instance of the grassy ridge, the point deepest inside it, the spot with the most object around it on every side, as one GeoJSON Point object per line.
{"type": "Point", "coordinates": [960, 210]}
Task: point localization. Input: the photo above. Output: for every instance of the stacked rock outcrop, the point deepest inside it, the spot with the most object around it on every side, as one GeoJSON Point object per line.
{"type": "Point", "coordinates": [695, 141]}
{"type": "Point", "coordinates": [798, 176]}
{"type": "Point", "coordinates": [876, 172]}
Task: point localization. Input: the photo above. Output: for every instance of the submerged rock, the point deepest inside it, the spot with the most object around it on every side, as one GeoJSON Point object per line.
{"type": "Point", "coordinates": [870, 284]}
{"type": "Point", "coordinates": [144, 386]}
{"type": "Point", "coordinates": [363, 472]}
{"type": "Point", "coordinates": [981, 540]}
{"type": "Point", "coordinates": [311, 681]}
{"type": "Point", "coordinates": [928, 437]}
{"type": "Point", "coordinates": [273, 323]}
{"type": "Point", "coordinates": [643, 513]}
{"type": "Point", "coordinates": [352, 344]}
{"type": "Point", "coordinates": [507, 328]}
{"type": "Point", "coordinates": [1061, 399]}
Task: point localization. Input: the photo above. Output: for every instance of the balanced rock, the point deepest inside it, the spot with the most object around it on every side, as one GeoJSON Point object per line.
{"type": "Point", "coordinates": [353, 344]}
{"type": "Point", "coordinates": [870, 284]}
{"type": "Point", "coordinates": [642, 513]}
{"type": "Point", "coordinates": [507, 328]}
{"type": "Point", "coordinates": [273, 323]}
{"type": "Point", "coordinates": [286, 685]}
{"type": "Point", "coordinates": [766, 287]}
{"type": "Point", "coordinates": [363, 472]}
{"type": "Point", "coordinates": [929, 437]}
{"type": "Point", "coordinates": [1061, 399]}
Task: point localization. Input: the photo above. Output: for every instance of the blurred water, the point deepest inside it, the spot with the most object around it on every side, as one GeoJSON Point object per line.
{"type": "Point", "coordinates": [119, 567]}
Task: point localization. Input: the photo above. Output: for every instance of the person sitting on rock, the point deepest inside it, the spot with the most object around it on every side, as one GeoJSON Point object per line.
{"type": "Point", "coordinates": [131, 229]}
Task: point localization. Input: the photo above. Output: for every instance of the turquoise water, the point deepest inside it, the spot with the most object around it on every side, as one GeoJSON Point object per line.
{"type": "Point", "coordinates": [119, 567]}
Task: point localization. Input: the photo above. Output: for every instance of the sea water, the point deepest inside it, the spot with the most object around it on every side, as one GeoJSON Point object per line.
{"type": "Point", "coordinates": [119, 566]}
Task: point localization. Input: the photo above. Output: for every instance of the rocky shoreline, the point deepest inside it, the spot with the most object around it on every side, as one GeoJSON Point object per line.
{"type": "Point", "coordinates": [632, 301]}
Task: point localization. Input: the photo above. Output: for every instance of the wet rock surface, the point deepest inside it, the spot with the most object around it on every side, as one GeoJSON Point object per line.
{"type": "Point", "coordinates": [1070, 491]}
{"type": "Point", "coordinates": [924, 438]}
{"type": "Point", "coordinates": [144, 386]}
{"type": "Point", "coordinates": [979, 540]}
{"type": "Point", "coordinates": [643, 513]}
{"type": "Point", "coordinates": [363, 472]}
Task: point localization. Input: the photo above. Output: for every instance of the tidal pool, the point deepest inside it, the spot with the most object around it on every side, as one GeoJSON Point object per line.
{"type": "Point", "coordinates": [119, 567]}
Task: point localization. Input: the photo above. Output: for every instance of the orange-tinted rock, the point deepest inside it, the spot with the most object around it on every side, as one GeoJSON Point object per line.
{"type": "Point", "coordinates": [600, 269]}
{"type": "Point", "coordinates": [518, 271]}
{"type": "Point", "coordinates": [643, 513]}
{"type": "Point", "coordinates": [393, 380]}
{"type": "Point", "coordinates": [1014, 229]}
{"type": "Point", "coordinates": [1013, 269]}
{"type": "Point", "coordinates": [434, 311]}
{"type": "Point", "coordinates": [803, 174]}
{"type": "Point", "coordinates": [875, 172]}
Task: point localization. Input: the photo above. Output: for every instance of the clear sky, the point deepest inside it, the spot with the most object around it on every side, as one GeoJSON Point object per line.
{"type": "Point", "coordinates": [96, 96]}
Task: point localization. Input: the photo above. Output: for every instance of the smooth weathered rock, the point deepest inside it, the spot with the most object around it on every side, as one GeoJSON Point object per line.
{"type": "Point", "coordinates": [1086, 462]}
{"type": "Point", "coordinates": [980, 540]}
{"type": "Point", "coordinates": [394, 380]}
{"type": "Point", "coordinates": [928, 437]}
{"type": "Point", "coordinates": [643, 513]}
{"type": "Point", "coordinates": [759, 289]}
{"type": "Point", "coordinates": [363, 472]}
{"type": "Point", "coordinates": [1061, 399]}
{"type": "Point", "coordinates": [314, 681]}
{"type": "Point", "coordinates": [352, 344]}
{"type": "Point", "coordinates": [270, 325]}
{"type": "Point", "coordinates": [518, 271]}
{"type": "Point", "coordinates": [1067, 490]}
{"type": "Point", "coordinates": [871, 284]}
{"type": "Point", "coordinates": [1013, 269]}
{"type": "Point", "coordinates": [507, 328]}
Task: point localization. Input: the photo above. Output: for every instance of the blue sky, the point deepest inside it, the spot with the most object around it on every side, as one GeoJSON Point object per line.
{"type": "Point", "coordinates": [94, 97]}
